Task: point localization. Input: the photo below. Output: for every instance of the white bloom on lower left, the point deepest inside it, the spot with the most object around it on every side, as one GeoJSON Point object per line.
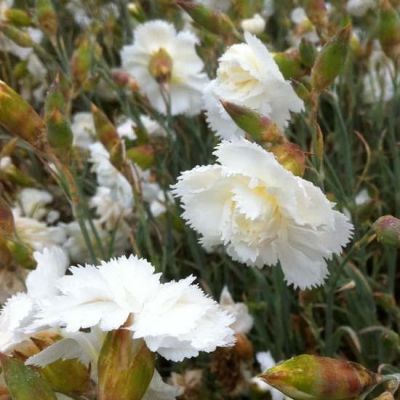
{"type": "Point", "coordinates": [262, 213]}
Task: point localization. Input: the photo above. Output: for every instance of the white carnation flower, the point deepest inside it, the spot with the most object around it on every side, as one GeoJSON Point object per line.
{"type": "Point", "coordinates": [256, 24]}
{"type": "Point", "coordinates": [33, 202]}
{"type": "Point", "coordinates": [262, 213]}
{"type": "Point", "coordinates": [359, 7]}
{"type": "Point", "coordinates": [186, 81]}
{"type": "Point", "coordinates": [243, 320]}
{"type": "Point", "coordinates": [248, 76]}
{"type": "Point", "coordinates": [127, 128]}
{"type": "Point", "coordinates": [83, 129]}
{"type": "Point", "coordinates": [175, 319]}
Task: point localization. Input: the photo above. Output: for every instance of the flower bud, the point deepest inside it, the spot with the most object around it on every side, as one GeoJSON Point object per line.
{"type": "Point", "coordinates": [255, 25]}
{"type": "Point", "coordinates": [308, 53]}
{"type": "Point", "coordinates": [389, 29]}
{"type": "Point", "coordinates": [291, 157]}
{"type": "Point", "coordinates": [22, 254]}
{"type": "Point", "coordinates": [160, 66]}
{"type": "Point", "coordinates": [19, 118]}
{"type": "Point", "coordinates": [317, 13]}
{"type": "Point", "coordinates": [142, 155]}
{"type": "Point", "coordinates": [387, 229]}
{"type": "Point", "coordinates": [18, 17]}
{"type": "Point", "coordinates": [81, 63]}
{"type": "Point", "coordinates": [260, 128]}
{"type": "Point", "coordinates": [7, 227]}
{"type": "Point", "coordinates": [123, 79]}
{"type": "Point", "coordinates": [47, 17]}
{"type": "Point", "coordinates": [309, 377]}
{"type": "Point", "coordinates": [59, 133]}
{"type": "Point", "coordinates": [330, 60]}
{"type": "Point", "coordinates": [212, 20]}
{"type": "Point", "coordinates": [18, 36]}
{"type": "Point", "coordinates": [125, 367]}
{"type": "Point", "coordinates": [289, 63]}
{"type": "Point", "coordinates": [23, 382]}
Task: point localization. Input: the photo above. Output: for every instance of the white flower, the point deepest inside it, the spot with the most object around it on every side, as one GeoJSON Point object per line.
{"type": "Point", "coordinates": [37, 234]}
{"type": "Point", "coordinates": [127, 128]}
{"type": "Point", "coordinates": [83, 129]}
{"type": "Point", "coordinates": [261, 213]}
{"type": "Point", "coordinates": [187, 80]}
{"type": "Point", "coordinates": [222, 5]}
{"type": "Point", "coordinates": [19, 311]}
{"type": "Point", "coordinates": [255, 24]}
{"type": "Point", "coordinates": [266, 361]}
{"type": "Point", "coordinates": [362, 197]}
{"type": "Point", "coordinates": [33, 202]}
{"type": "Point", "coordinates": [5, 163]}
{"type": "Point", "coordinates": [359, 7]}
{"type": "Point", "coordinates": [304, 27]}
{"type": "Point", "coordinates": [269, 8]}
{"type": "Point", "coordinates": [243, 320]}
{"type": "Point", "coordinates": [159, 390]}
{"type": "Point", "coordinates": [176, 319]}
{"type": "Point", "coordinates": [180, 321]}
{"type": "Point", "coordinates": [248, 76]}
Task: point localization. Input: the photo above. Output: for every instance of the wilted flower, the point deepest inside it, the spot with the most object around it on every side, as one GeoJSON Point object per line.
{"type": "Point", "coordinates": [255, 24]}
{"type": "Point", "coordinates": [359, 7]}
{"type": "Point", "coordinates": [262, 213]}
{"type": "Point", "coordinates": [175, 319]}
{"type": "Point", "coordinates": [161, 57]}
{"type": "Point", "coordinates": [248, 76]}
{"type": "Point", "coordinates": [243, 320]}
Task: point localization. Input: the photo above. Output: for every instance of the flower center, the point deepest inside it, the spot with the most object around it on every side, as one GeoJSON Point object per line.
{"type": "Point", "coordinates": [160, 66]}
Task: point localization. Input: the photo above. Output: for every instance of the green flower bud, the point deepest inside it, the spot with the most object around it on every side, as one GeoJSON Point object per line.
{"type": "Point", "coordinates": [142, 155]}
{"type": "Point", "coordinates": [289, 63]}
{"type": "Point", "coordinates": [47, 17]}
{"type": "Point", "coordinates": [214, 21]}
{"type": "Point", "coordinates": [18, 17]}
{"type": "Point", "coordinates": [330, 60]}
{"type": "Point", "coordinates": [387, 229]}
{"type": "Point", "coordinates": [308, 53]}
{"type": "Point", "coordinates": [18, 36]}
{"type": "Point", "coordinates": [125, 367]}
{"type": "Point", "coordinates": [389, 29]}
{"type": "Point", "coordinates": [317, 13]}
{"type": "Point", "coordinates": [309, 377]}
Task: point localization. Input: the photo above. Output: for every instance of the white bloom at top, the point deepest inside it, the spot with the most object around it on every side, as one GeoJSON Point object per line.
{"type": "Point", "coordinates": [261, 213]}
{"type": "Point", "coordinates": [248, 76]}
{"type": "Point", "coordinates": [186, 81]}
{"type": "Point", "coordinates": [127, 128]}
{"type": "Point", "coordinates": [19, 311]}
{"type": "Point", "coordinates": [222, 5]}
{"type": "Point", "coordinates": [181, 321]}
{"type": "Point", "coordinates": [83, 129]}
{"type": "Point", "coordinates": [33, 202]}
{"type": "Point", "coordinates": [175, 319]}
{"type": "Point", "coordinates": [359, 7]}
{"type": "Point", "coordinates": [243, 320]}
{"type": "Point", "coordinates": [256, 24]}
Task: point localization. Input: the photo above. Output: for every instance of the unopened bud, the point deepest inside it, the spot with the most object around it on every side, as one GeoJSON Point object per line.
{"type": "Point", "coordinates": [123, 79]}
{"type": "Point", "coordinates": [387, 229]}
{"type": "Point", "coordinates": [125, 367]}
{"type": "Point", "coordinates": [142, 155]}
{"type": "Point", "coordinates": [22, 254]}
{"type": "Point", "coordinates": [7, 227]}
{"type": "Point", "coordinates": [331, 60]}
{"type": "Point", "coordinates": [291, 157]}
{"type": "Point", "coordinates": [81, 62]}
{"type": "Point", "coordinates": [18, 17]}
{"type": "Point", "coordinates": [309, 377]}
{"type": "Point", "coordinates": [160, 66]}
{"type": "Point", "coordinates": [47, 17]}
{"type": "Point", "coordinates": [19, 118]}
{"type": "Point", "coordinates": [257, 126]}
{"type": "Point", "coordinates": [18, 36]}
{"type": "Point", "coordinates": [317, 13]}
{"type": "Point", "coordinates": [289, 63]}
{"type": "Point", "coordinates": [59, 133]}
{"type": "Point", "coordinates": [308, 53]}
{"type": "Point", "coordinates": [214, 21]}
{"type": "Point", "coordinates": [389, 29]}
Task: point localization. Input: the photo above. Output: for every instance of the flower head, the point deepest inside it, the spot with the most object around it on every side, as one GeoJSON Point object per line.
{"type": "Point", "coordinates": [262, 213]}
{"type": "Point", "coordinates": [161, 56]}
{"type": "Point", "coordinates": [248, 76]}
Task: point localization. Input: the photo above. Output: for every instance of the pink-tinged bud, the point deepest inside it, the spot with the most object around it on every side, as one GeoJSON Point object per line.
{"type": "Point", "coordinates": [291, 157]}
{"type": "Point", "coordinates": [389, 29]}
{"type": "Point", "coordinates": [260, 128]}
{"type": "Point", "coordinates": [387, 229]}
{"type": "Point", "coordinates": [18, 17]}
{"type": "Point", "coordinates": [123, 79]}
{"type": "Point", "coordinates": [125, 367]}
{"type": "Point", "coordinates": [160, 66]}
{"type": "Point", "coordinates": [309, 377]}
{"type": "Point", "coordinates": [212, 20]}
{"type": "Point", "coordinates": [7, 227]}
{"type": "Point", "coordinates": [23, 382]}
{"type": "Point", "coordinates": [317, 13]}
{"type": "Point", "coordinates": [331, 60]}
{"type": "Point", "coordinates": [47, 17]}
{"type": "Point", "coordinates": [18, 36]}
{"type": "Point", "coordinates": [20, 119]}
